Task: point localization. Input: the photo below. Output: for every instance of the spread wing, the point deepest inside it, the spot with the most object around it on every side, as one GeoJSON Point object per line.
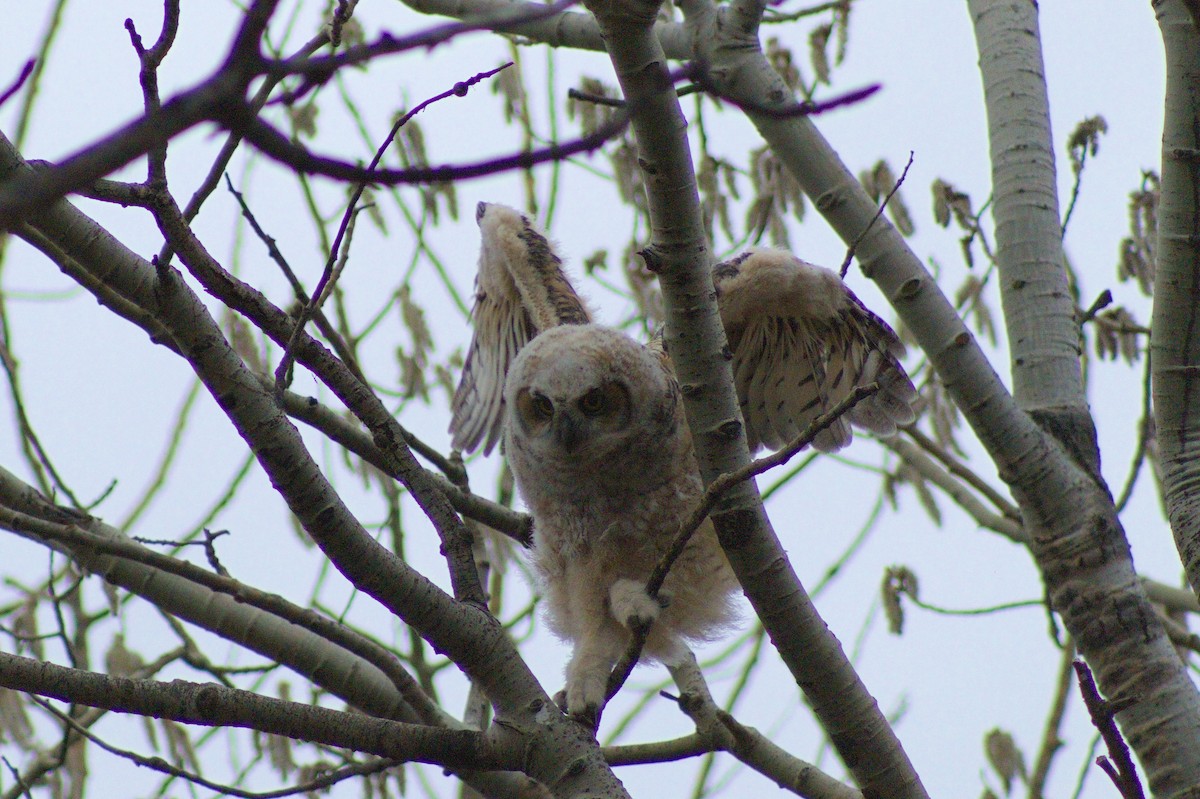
{"type": "Point", "coordinates": [520, 291]}
{"type": "Point", "coordinates": [801, 342]}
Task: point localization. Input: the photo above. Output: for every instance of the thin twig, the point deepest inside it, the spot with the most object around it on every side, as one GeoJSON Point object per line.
{"type": "Point", "coordinates": [174, 440]}
{"type": "Point", "coordinates": [232, 142]}
{"type": "Point", "coordinates": [176, 545]}
{"type": "Point", "coordinates": [772, 16]}
{"type": "Point", "coordinates": [322, 783]}
{"type": "Point", "coordinates": [960, 470]}
{"type": "Point", "coordinates": [317, 71]}
{"type": "Point", "coordinates": [279, 147]}
{"type": "Point", "coordinates": [617, 102]}
{"type": "Point", "coordinates": [1076, 185]}
{"type": "Point", "coordinates": [1119, 764]}
{"type": "Point", "coordinates": [329, 277]}
{"type": "Point", "coordinates": [1051, 740]}
{"type": "Point", "coordinates": [336, 340]}
{"type": "Point", "coordinates": [35, 454]}
{"type": "Point", "coordinates": [515, 525]}
{"type": "Point", "coordinates": [150, 59]}
{"type": "Point", "coordinates": [341, 15]}
{"type": "Point", "coordinates": [16, 85]}
{"type": "Point", "coordinates": [1145, 431]}
{"type": "Point", "coordinates": [878, 213]}
{"type": "Point", "coordinates": [1103, 301]}
{"type": "Point", "coordinates": [698, 73]}
{"type": "Point", "coordinates": [956, 488]}
{"type": "Point", "coordinates": [985, 611]}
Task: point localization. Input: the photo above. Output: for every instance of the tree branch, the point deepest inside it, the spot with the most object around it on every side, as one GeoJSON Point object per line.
{"type": "Point", "coordinates": [213, 705]}
{"type": "Point", "coordinates": [1064, 509]}
{"type": "Point", "coordinates": [1175, 340]}
{"type": "Point", "coordinates": [561, 754]}
{"type": "Point", "coordinates": [748, 745]}
{"type": "Point", "coordinates": [221, 99]}
{"type": "Point", "coordinates": [86, 546]}
{"type": "Point", "coordinates": [696, 341]}
{"type": "Point", "coordinates": [1123, 773]}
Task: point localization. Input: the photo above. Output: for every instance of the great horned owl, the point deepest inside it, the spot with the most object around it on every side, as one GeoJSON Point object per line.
{"type": "Point", "coordinates": [594, 430]}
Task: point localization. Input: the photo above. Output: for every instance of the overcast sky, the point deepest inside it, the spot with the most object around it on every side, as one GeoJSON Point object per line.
{"type": "Point", "coordinates": [103, 399]}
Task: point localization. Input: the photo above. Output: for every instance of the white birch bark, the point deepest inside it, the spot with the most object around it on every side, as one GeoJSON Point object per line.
{"type": "Point", "coordinates": [1039, 312]}
{"type": "Point", "coordinates": [1175, 325]}
{"type": "Point", "coordinates": [1075, 535]}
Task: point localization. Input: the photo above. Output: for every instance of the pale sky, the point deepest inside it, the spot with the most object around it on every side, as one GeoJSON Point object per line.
{"type": "Point", "coordinates": [102, 399]}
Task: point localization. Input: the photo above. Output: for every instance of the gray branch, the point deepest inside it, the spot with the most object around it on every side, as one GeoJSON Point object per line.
{"type": "Point", "coordinates": [679, 254]}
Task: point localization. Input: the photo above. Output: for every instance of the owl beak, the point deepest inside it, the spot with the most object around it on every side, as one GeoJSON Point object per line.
{"type": "Point", "coordinates": [568, 431]}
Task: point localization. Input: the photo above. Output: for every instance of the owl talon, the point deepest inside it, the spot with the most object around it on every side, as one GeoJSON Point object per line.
{"type": "Point", "coordinates": [585, 697]}
{"type": "Point", "coordinates": [632, 606]}
{"type": "Point", "coordinates": [588, 716]}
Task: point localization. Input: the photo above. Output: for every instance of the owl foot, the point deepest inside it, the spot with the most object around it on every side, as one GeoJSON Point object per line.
{"type": "Point", "coordinates": [587, 673]}
{"type": "Point", "coordinates": [584, 696]}
{"type": "Point", "coordinates": [589, 716]}
{"type": "Point", "coordinates": [632, 606]}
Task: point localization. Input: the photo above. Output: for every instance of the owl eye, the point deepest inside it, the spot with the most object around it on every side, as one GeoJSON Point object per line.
{"type": "Point", "coordinates": [542, 405]}
{"type": "Point", "coordinates": [594, 403]}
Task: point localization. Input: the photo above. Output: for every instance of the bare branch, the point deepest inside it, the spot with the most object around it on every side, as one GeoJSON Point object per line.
{"type": "Point", "coordinates": [275, 145]}
{"type": "Point", "coordinates": [220, 99]}
{"type": "Point", "coordinates": [725, 733]}
{"type": "Point", "coordinates": [158, 764]}
{"type": "Point", "coordinates": [86, 545]}
{"type": "Point", "coordinates": [882, 206]}
{"type": "Point", "coordinates": [1120, 768]}
{"type": "Point", "coordinates": [329, 276]}
{"type": "Point", "coordinates": [208, 704]}
{"type": "Point", "coordinates": [19, 81]}
{"type": "Point", "coordinates": [957, 488]}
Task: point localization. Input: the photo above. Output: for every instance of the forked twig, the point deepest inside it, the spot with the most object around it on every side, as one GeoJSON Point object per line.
{"type": "Point", "coordinates": [1119, 764]}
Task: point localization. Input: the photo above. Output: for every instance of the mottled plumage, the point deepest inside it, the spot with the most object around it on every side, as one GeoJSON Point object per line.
{"type": "Point", "coordinates": [801, 342]}
{"type": "Point", "coordinates": [594, 430]}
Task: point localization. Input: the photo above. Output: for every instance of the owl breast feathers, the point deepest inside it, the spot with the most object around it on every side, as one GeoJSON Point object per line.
{"type": "Point", "coordinates": [595, 434]}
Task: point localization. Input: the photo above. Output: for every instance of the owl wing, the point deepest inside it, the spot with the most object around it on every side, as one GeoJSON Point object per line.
{"type": "Point", "coordinates": [801, 342]}
{"type": "Point", "coordinates": [520, 291]}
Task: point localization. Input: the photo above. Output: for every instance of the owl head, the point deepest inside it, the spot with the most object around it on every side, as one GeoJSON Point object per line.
{"type": "Point", "coordinates": [578, 392]}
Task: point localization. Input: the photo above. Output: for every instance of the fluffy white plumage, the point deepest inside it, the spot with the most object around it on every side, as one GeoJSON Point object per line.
{"type": "Point", "coordinates": [594, 430]}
